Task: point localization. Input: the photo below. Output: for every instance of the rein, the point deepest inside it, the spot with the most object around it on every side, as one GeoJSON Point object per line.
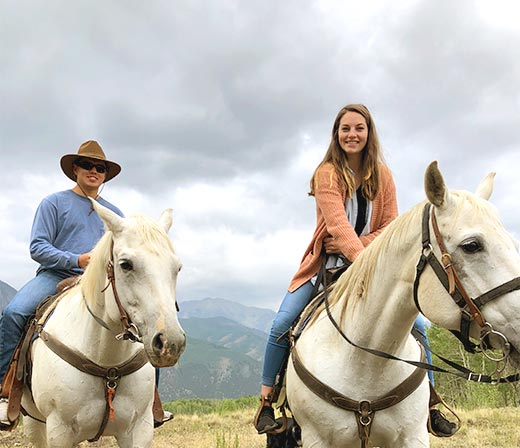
{"type": "Point", "coordinates": [463, 372]}
{"type": "Point", "coordinates": [427, 256]}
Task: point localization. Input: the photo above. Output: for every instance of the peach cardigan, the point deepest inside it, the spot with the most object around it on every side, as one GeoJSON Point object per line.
{"type": "Point", "coordinates": [331, 219]}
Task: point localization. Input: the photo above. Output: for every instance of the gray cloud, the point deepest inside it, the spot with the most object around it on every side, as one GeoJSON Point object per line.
{"type": "Point", "coordinates": [222, 110]}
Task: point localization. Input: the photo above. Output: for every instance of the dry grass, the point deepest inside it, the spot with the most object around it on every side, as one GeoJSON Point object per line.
{"type": "Point", "coordinates": [485, 428]}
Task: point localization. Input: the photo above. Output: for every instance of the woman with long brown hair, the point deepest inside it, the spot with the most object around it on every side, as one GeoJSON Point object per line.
{"type": "Point", "coordinates": [355, 200]}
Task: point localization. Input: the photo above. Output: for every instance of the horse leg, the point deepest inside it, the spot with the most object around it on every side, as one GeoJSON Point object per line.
{"type": "Point", "coordinates": [59, 433]}
{"type": "Point", "coordinates": [311, 441]}
{"type": "Point", "coordinates": [35, 432]}
{"type": "Point", "coordinates": [140, 437]}
{"type": "Point", "coordinates": [416, 439]}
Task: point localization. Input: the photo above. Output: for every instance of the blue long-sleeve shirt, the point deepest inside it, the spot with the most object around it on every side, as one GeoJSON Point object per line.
{"type": "Point", "coordinates": [65, 227]}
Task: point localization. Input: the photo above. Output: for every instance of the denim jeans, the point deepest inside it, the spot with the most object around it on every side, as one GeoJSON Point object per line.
{"type": "Point", "coordinates": [275, 352]}
{"type": "Point", "coordinates": [420, 326]}
{"type": "Point", "coordinates": [21, 307]}
{"type": "Point", "coordinates": [292, 305]}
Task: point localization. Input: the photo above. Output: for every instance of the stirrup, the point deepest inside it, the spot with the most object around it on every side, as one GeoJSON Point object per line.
{"type": "Point", "coordinates": [436, 399]}
{"type": "Point", "coordinates": [276, 429]}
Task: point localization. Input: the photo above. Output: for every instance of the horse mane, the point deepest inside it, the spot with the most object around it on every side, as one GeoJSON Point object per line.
{"type": "Point", "coordinates": [145, 230]}
{"type": "Point", "coordinates": [354, 284]}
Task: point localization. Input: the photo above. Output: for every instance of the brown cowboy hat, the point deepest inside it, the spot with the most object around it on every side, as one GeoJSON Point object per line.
{"type": "Point", "coordinates": [89, 150]}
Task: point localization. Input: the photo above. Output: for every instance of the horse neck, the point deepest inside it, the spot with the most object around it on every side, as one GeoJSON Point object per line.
{"type": "Point", "coordinates": [383, 318]}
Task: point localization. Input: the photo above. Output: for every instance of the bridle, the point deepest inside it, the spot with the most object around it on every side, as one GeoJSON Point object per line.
{"type": "Point", "coordinates": [470, 308]}
{"type": "Point", "coordinates": [129, 330]}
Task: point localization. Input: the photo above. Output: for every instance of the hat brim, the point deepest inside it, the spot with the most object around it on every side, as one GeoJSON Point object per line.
{"type": "Point", "coordinates": [67, 161]}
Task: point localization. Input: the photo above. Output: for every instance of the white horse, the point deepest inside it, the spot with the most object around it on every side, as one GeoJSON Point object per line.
{"type": "Point", "coordinates": [373, 302]}
{"type": "Point", "coordinates": [67, 405]}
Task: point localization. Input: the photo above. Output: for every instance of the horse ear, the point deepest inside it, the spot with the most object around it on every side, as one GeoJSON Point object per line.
{"type": "Point", "coordinates": [166, 219]}
{"type": "Point", "coordinates": [485, 188]}
{"type": "Point", "coordinates": [113, 221]}
{"type": "Point", "coordinates": [434, 186]}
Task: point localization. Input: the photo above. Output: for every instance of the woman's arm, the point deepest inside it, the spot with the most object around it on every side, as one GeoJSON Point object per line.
{"type": "Point", "coordinates": [330, 201]}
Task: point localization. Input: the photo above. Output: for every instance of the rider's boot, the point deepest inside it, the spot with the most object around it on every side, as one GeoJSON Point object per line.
{"type": "Point", "coordinates": [264, 419]}
{"type": "Point", "coordinates": [438, 424]}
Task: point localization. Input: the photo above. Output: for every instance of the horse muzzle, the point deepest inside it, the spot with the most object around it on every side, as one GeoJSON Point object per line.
{"type": "Point", "coordinates": [166, 349]}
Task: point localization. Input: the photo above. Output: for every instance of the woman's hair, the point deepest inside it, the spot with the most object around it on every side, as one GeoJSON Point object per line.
{"type": "Point", "coordinates": [371, 157]}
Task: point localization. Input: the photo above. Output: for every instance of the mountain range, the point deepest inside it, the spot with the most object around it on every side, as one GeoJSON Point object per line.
{"type": "Point", "coordinates": [224, 350]}
{"type": "Point", "coordinates": [7, 292]}
{"type": "Point", "coordinates": [248, 316]}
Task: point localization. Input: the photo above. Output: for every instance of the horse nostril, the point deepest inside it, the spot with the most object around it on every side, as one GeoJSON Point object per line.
{"type": "Point", "coordinates": [159, 342]}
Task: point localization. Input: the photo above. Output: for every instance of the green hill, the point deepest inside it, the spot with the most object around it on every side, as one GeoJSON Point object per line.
{"type": "Point", "coordinates": [227, 333]}
{"type": "Point", "coordinates": [206, 370]}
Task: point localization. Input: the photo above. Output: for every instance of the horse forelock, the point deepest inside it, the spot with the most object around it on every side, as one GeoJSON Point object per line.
{"type": "Point", "coordinates": [152, 235]}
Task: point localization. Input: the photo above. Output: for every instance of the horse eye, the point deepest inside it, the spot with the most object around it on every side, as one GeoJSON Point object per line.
{"type": "Point", "coordinates": [180, 267]}
{"type": "Point", "coordinates": [471, 246]}
{"type": "Point", "coordinates": [126, 265]}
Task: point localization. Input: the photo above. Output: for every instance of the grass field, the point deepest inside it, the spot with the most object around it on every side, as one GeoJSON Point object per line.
{"type": "Point", "coordinates": [483, 428]}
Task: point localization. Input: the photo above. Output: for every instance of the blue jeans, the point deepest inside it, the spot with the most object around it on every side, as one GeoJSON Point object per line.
{"type": "Point", "coordinates": [292, 305]}
{"type": "Point", "coordinates": [420, 326]}
{"type": "Point", "coordinates": [21, 307]}
{"type": "Point", "coordinates": [275, 352]}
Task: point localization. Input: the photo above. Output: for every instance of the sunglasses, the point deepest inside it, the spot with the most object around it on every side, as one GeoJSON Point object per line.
{"type": "Point", "coordinates": [86, 165]}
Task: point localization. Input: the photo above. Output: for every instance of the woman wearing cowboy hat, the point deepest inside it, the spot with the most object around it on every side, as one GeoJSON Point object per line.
{"type": "Point", "coordinates": [65, 229]}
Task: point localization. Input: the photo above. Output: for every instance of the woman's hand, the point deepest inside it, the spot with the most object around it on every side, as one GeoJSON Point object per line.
{"type": "Point", "coordinates": [331, 245]}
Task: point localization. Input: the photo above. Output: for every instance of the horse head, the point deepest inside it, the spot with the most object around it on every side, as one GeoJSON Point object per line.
{"type": "Point", "coordinates": [482, 266]}
{"type": "Point", "coordinates": [142, 269]}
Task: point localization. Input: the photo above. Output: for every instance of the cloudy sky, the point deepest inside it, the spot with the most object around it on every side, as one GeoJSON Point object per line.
{"type": "Point", "coordinates": [222, 109]}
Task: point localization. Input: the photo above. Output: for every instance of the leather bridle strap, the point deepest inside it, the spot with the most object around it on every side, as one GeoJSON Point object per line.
{"type": "Point", "coordinates": [511, 285]}
{"type": "Point", "coordinates": [130, 330]}
{"type": "Point", "coordinates": [453, 278]}
{"type": "Point", "coordinates": [463, 372]}
{"type": "Point", "coordinates": [428, 258]}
